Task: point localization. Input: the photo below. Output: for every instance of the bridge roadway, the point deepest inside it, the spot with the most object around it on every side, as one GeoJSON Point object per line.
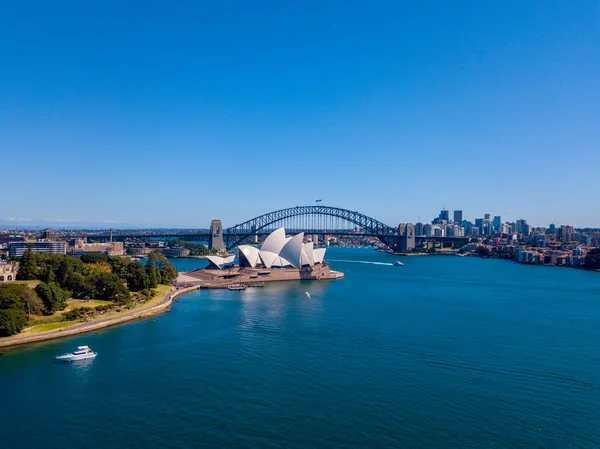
{"type": "Point", "coordinates": [205, 235]}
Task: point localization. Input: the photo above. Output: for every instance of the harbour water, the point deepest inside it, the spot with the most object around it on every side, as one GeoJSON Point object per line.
{"type": "Point", "coordinates": [442, 352]}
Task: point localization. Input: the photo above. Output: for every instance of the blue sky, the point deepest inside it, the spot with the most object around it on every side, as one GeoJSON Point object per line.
{"type": "Point", "coordinates": [175, 113]}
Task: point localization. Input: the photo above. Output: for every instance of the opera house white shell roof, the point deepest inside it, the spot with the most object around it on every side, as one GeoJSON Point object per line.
{"type": "Point", "coordinates": [280, 251]}
{"type": "Point", "coordinates": [221, 262]}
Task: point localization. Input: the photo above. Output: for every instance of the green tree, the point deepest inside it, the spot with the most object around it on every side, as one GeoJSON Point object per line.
{"type": "Point", "coordinates": [109, 287]}
{"type": "Point", "coordinates": [32, 303]}
{"type": "Point", "coordinates": [151, 270]}
{"type": "Point", "coordinates": [12, 296]}
{"type": "Point", "coordinates": [119, 266]}
{"type": "Point", "coordinates": [67, 267]}
{"type": "Point", "coordinates": [78, 285]}
{"type": "Point", "coordinates": [166, 272]}
{"type": "Point", "coordinates": [11, 322]}
{"type": "Point", "coordinates": [94, 258]}
{"type": "Point", "coordinates": [54, 297]}
{"type": "Point", "coordinates": [137, 278]}
{"type": "Point", "coordinates": [28, 266]}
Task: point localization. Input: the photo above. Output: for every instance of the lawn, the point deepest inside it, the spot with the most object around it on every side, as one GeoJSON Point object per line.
{"type": "Point", "coordinates": [40, 328]}
{"type": "Point", "coordinates": [76, 303]}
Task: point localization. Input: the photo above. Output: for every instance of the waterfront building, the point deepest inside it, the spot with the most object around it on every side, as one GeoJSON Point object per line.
{"type": "Point", "coordinates": [458, 216]}
{"type": "Point", "coordinates": [177, 251]}
{"type": "Point", "coordinates": [278, 251]}
{"type": "Point", "coordinates": [17, 249]}
{"type": "Point", "coordinates": [438, 232]}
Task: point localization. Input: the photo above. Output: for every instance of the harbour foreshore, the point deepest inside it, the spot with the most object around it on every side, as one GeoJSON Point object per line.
{"type": "Point", "coordinates": [95, 325]}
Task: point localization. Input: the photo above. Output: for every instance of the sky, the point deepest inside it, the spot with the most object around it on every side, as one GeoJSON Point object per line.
{"type": "Point", "coordinates": [153, 113]}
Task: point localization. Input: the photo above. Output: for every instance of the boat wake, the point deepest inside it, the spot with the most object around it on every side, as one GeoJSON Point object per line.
{"type": "Point", "coordinates": [362, 261]}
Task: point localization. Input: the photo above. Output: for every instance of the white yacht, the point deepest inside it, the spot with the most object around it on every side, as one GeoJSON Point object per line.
{"type": "Point", "coordinates": [82, 353]}
{"type": "Point", "coordinates": [397, 263]}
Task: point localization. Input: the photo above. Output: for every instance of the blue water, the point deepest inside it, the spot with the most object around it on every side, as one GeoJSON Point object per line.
{"type": "Point", "coordinates": [445, 352]}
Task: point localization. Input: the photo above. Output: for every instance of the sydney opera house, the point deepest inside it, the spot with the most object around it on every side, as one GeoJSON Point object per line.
{"type": "Point", "coordinates": [280, 258]}
{"type": "Point", "coordinates": [277, 251]}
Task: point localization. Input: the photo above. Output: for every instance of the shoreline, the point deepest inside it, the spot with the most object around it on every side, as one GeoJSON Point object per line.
{"type": "Point", "coordinates": [96, 325]}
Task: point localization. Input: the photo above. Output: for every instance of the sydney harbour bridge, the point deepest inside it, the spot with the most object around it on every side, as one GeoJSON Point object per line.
{"type": "Point", "coordinates": [315, 220]}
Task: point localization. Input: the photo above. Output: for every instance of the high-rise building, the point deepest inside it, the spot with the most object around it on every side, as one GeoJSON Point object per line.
{"type": "Point", "coordinates": [428, 230]}
{"type": "Point", "coordinates": [479, 225]}
{"type": "Point", "coordinates": [50, 235]}
{"type": "Point", "coordinates": [458, 216]}
{"type": "Point", "coordinates": [565, 234]}
{"type": "Point", "coordinates": [487, 217]}
{"type": "Point", "coordinates": [552, 229]}
{"type": "Point", "coordinates": [444, 215]}
{"type": "Point", "coordinates": [497, 222]}
{"type": "Point", "coordinates": [419, 228]}
{"type": "Point", "coordinates": [520, 226]}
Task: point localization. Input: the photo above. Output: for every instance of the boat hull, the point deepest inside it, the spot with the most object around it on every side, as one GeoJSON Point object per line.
{"type": "Point", "coordinates": [73, 358]}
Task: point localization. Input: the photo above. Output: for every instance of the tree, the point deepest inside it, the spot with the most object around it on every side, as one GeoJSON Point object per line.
{"type": "Point", "coordinates": [32, 303]}
{"type": "Point", "coordinates": [119, 266]}
{"type": "Point", "coordinates": [137, 278]}
{"type": "Point", "coordinates": [109, 287]}
{"type": "Point", "coordinates": [28, 266]}
{"type": "Point", "coordinates": [54, 297]}
{"type": "Point", "coordinates": [151, 270]}
{"type": "Point", "coordinates": [93, 258]}
{"type": "Point", "coordinates": [11, 322]}
{"type": "Point", "coordinates": [166, 272]}
{"type": "Point", "coordinates": [67, 267]}
{"type": "Point", "coordinates": [11, 296]}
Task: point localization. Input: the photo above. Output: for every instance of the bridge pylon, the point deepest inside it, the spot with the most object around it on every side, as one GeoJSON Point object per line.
{"type": "Point", "coordinates": [215, 241]}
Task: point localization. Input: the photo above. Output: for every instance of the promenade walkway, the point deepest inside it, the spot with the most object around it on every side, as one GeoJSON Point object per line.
{"type": "Point", "coordinates": [95, 325]}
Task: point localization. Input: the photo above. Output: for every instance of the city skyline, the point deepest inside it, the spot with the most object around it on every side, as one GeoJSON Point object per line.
{"type": "Point", "coordinates": [118, 116]}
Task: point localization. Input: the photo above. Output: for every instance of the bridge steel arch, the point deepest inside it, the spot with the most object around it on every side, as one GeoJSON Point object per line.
{"type": "Point", "coordinates": [242, 231]}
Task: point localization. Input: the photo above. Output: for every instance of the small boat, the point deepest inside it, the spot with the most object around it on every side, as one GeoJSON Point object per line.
{"type": "Point", "coordinates": [237, 287]}
{"type": "Point", "coordinates": [82, 353]}
{"type": "Point", "coordinates": [307, 295]}
{"type": "Point", "coordinates": [398, 264]}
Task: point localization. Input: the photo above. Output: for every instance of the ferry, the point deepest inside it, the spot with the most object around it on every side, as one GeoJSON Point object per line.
{"type": "Point", "coordinates": [82, 353]}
